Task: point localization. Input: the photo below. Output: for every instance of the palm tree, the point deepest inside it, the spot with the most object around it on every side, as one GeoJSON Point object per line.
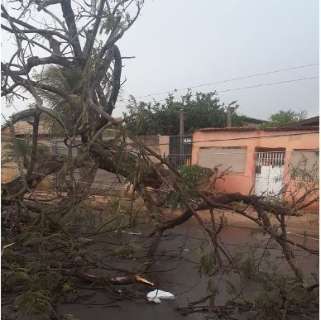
{"type": "Point", "coordinates": [68, 80]}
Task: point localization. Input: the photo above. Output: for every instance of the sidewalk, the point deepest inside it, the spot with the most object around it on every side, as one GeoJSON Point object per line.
{"type": "Point", "coordinates": [307, 224]}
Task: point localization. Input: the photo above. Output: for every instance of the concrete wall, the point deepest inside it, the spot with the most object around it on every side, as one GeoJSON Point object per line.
{"type": "Point", "coordinates": [103, 180]}
{"type": "Point", "coordinates": [159, 144]}
{"type": "Point", "coordinates": [25, 128]}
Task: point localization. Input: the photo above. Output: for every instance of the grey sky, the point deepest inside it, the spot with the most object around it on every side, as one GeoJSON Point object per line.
{"type": "Point", "coordinates": [182, 43]}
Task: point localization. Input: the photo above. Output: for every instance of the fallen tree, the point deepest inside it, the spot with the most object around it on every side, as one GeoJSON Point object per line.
{"type": "Point", "coordinates": [71, 67]}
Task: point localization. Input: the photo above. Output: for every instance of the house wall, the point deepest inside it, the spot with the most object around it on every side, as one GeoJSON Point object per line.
{"type": "Point", "coordinates": [103, 180]}
{"type": "Point", "coordinates": [25, 128]}
{"type": "Point", "coordinates": [159, 144]}
{"type": "Point", "coordinates": [252, 140]}
{"type": "Point", "coordinates": [164, 145]}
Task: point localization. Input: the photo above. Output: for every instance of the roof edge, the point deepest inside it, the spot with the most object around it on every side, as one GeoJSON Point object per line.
{"type": "Point", "coordinates": [245, 129]}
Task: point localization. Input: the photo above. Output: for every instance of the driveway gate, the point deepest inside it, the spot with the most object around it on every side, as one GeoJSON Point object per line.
{"type": "Point", "coordinates": [180, 150]}
{"type": "Point", "coordinates": [269, 173]}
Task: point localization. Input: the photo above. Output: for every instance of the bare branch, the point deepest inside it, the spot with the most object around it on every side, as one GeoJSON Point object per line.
{"type": "Point", "coordinates": [70, 21]}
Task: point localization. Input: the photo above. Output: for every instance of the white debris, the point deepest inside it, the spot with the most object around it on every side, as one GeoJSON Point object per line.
{"type": "Point", "coordinates": [132, 233]}
{"type": "Point", "coordinates": [135, 233]}
{"type": "Point", "coordinates": [157, 295]}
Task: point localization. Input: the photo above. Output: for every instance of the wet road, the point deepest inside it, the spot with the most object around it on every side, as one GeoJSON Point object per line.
{"type": "Point", "coordinates": [182, 277]}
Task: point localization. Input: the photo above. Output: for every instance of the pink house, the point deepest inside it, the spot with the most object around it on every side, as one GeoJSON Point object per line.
{"type": "Point", "coordinates": [258, 161]}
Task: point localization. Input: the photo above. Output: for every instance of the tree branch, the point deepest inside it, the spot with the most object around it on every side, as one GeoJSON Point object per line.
{"type": "Point", "coordinates": [71, 24]}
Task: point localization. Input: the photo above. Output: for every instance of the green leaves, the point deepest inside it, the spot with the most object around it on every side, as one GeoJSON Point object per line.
{"type": "Point", "coordinates": [207, 264]}
{"type": "Point", "coordinates": [201, 110]}
{"type": "Point", "coordinates": [284, 117]}
{"type": "Point", "coordinates": [107, 24]}
{"type": "Point", "coordinates": [21, 148]}
{"type": "Point", "coordinates": [192, 175]}
{"type": "Point", "coordinates": [35, 303]}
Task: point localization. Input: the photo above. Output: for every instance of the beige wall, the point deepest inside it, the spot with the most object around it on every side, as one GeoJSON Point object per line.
{"type": "Point", "coordinates": [103, 179]}
{"type": "Point", "coordinates": [25, 128]}
{"type": "Point", "coordinates": [164, 145]}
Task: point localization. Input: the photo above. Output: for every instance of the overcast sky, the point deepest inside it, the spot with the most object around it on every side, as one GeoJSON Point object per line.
{"type": "Point", "coordinates": [186, 43]}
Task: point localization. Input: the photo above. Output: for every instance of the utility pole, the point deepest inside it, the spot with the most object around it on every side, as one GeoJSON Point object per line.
{"type": "Point", "coordinates": [229, 117]}
{"type": "Point", "coordinates": [181, 136]}
{"type": "Point", "coordinates": [230, 110]}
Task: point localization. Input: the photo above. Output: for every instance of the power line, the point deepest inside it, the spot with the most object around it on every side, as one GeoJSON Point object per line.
{"type": "Point", "coordinates": [243, 138]}
{"type": "Point", "coordinates": [234, 79]}
{"type": "Point", "coordinates": [210, 140]}
{"type": "Point", "coordinates": [266, 84]}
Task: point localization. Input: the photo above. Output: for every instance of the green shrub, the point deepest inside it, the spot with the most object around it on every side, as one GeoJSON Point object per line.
{"type": "Point", "coordinates": [192, 177]}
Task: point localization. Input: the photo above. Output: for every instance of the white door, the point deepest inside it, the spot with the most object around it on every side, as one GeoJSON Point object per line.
{"type": "Point", "coordinates": [269, 173]}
